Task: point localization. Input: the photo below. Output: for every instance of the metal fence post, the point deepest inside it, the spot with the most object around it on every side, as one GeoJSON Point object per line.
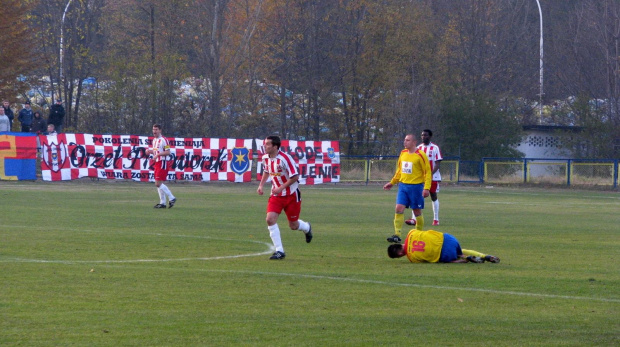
{"type": "Point", "coordinates": [367, 169]}
{"type": "Point", "coordinates": [616, 173]}
{"type": "Point", "coordinates": [568, 171]}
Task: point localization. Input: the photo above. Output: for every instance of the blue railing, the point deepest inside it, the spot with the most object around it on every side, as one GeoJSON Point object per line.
{"type": "Point", "coordinates": [600, 172]}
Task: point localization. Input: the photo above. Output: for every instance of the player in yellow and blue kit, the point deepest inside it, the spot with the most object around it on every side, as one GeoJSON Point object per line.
{"type": "Point", "coordinates": [432, 246]}
{"type": "Point", "coordinates": [413, 176]}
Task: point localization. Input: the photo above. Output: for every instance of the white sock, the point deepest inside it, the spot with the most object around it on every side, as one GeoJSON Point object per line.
{"type": "Point", "coordinates": [303, 226]}
{"type": "Point", "coordinates": [274, 233]}
{"type": "Point", "coordinates": [162, 196]}
{"type": "Point", "coordinates": [412, 215]}
{"type": "Point", "coordinates": [167, 192]}
{"type": "Point", "coordinates": [436, 209]}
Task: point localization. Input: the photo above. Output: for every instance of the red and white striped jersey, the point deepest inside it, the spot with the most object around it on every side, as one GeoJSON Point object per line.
{"type": "Point", "coordinates": [434, 154]}
{"type": "Point", "coordinates": [281, 169]}
{"type": "Point", "coordinates": [160, 144]}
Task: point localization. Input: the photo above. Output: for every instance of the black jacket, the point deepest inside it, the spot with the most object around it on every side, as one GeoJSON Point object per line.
{"type": "Point", "coordinates": [39, 125]}
{"type": "Point", "coordinates": [9, 113]}
{"type": "Point", "coordinates": [57, 115]}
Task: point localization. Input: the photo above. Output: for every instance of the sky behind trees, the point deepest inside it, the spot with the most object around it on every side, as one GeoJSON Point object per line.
{"type": "Point", "coordinates": [363, 72]}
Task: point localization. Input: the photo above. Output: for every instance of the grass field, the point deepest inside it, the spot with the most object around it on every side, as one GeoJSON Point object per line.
{"type": "Point", "coordinates": [93, 264]}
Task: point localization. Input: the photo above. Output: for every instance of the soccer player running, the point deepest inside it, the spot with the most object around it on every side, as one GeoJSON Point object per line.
{"type": "Point", "coordinates": [285, 193]}
{"type": "Point", "coordinates": [434, 157]}
{"type": "Point", "coordinates": [413, 176]}
{"type": "Point", "coordinates": [432, 246]}
{"type": "Point", "coordinates": [160, 152]}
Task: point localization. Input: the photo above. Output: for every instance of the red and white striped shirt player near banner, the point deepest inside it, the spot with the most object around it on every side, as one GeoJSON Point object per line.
{"type": "Point", "coordinates": [160, 152]}
{"type": "Point", "coordinates": [279, 164]}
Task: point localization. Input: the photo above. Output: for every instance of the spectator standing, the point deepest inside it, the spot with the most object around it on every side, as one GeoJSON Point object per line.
{"type": "Point", "coordinates": [434, 157]}
{"type": "Point", "coordinates": [25, 116]}
{"type": "Point", "coordinates": [39, 125]}
{"type": "Point", "coordinates": [57, 115]}
{"type": "Point", "coordinates": [4, 121]}
{"type": "Point", "coordinates": [8, 112]}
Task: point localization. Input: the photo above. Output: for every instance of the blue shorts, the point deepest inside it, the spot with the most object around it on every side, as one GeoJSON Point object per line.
{"type": "Point", "coordinates": [410, 195]}
{"type": "Point", "coordinates": [450, 250]}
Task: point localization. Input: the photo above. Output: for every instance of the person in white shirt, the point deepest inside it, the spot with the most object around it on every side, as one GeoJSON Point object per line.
{"type": "Point", "coordinates": [160, 152]}
{"type": "Point", "coordinates": [285, 194]}
{"type": "Point", "coordinates": [434, 157]}
{"type": "Point", "coordinates": [51, 130]}
{"type": "Point", "coordinates": [5, 123]}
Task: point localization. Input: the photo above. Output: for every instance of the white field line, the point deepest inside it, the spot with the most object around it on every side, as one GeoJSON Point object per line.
{"type": "Point", "coordinates": [400, 284]}
{"type": "Point", "coordinates": [281, 274]}
{"type": "Point", "coordinates": [319, 277]}
{"type": "Point", "coordinates": [356, 280]}
{"type": "Point", "coordinates": [268, 251]}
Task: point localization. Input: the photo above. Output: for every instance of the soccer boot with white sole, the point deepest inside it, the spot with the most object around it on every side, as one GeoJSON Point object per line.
{"type": "Point", "coordinates": [277, 256]}
{"type": "Point", "coordinates": [474, 259]}
{"type": "Point", "coordinates": [491, 258]}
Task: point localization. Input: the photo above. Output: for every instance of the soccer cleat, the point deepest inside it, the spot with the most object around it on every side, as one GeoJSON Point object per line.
{"type": "Point", "coordinates": [491, 258]}
{"type": "Point", "coordinates": [474, 259]}
{"type": "Point", "coordinates": [160, 206]}
{"type": "Point", "coordinates": [411, 221]}
{"type": "Point", "coordinates": [309, 233]}
{"type": "Point", "coordinates": [394, 239]}
{"type": "Point", "coordinates": [277, 256]}
{"type": "Point", "coordinates": [172, 202]}
{"type": "Point", "coordinates": [435, 222]}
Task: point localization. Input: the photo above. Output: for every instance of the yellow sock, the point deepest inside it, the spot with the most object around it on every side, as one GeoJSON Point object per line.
{"type": "Point", "coordinates": [419, 222]}
{"type": "Point", "coordinates": [472, 252]}
{"type": "Point", "coordinates": [399, 220]}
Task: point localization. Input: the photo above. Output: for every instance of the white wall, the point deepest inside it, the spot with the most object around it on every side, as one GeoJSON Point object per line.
{"type": "Point", "coordinates": [542, 144]}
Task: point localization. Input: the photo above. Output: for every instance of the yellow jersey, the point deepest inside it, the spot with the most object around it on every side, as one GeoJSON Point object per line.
{"type": "Point", "coordinates": [424, 246]}
{"type": "Point", "coordinates": [413, 168]}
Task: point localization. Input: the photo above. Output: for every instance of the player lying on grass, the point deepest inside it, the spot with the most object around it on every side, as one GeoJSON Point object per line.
{"type": "Point", "coordinates": [432, 246]}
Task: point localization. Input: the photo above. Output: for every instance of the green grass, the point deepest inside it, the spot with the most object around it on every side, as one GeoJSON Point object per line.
{"type": "Point", "coordinates": [93, 264]}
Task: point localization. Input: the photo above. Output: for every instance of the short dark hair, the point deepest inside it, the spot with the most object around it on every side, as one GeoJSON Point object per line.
{"type": "Point", "coordinates": [275, 140]}
{"type": "Point", "coordinates": [394, 250]}
{"type": "Point", "coordinates": [157, 125]}
{"type": "Point", "coordinates": [429, 131]}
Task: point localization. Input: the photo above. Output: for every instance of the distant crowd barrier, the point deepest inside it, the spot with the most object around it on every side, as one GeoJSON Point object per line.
{"type": "Point", "coordinates": [592, 172]}
{"type": "Point", "coordinates": [25, 156]}
{"type": "Point", "coordinates": [63, 157]}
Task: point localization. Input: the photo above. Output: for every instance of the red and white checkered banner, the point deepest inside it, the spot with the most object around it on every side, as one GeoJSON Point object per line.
{"type": "Point", "coordinates": [318, 161]}
{"type": "Point", "coordinates": [73, 156]}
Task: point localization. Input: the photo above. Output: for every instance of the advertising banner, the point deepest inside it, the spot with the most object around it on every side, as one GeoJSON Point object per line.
{"type": "Point", "coordinates": [73, 156]}
{"type": "Point", "coordinates": [318, 161]}
{"type": "Point", "coordinates": [18, 156]}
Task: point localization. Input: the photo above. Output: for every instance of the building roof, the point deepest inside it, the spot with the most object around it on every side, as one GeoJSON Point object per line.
{"type": "Point", "coordinates": [550, 128]}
